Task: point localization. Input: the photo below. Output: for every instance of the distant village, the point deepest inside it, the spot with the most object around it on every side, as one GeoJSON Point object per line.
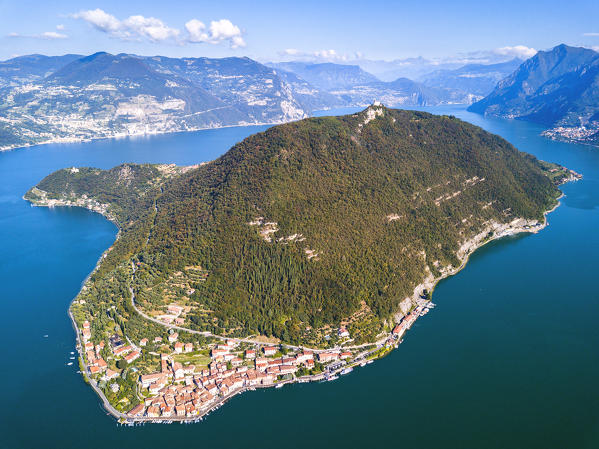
{"type": "Point", "coordinates": [184, 391]}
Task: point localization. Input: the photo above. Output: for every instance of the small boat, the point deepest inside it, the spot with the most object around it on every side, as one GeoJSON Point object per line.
{"type": "Point", "coordinates": [332, 378]}
{"type": "Point", "coordinates": [363, 364]}
{"type": "Point", "coordinates": [369, 362]}
{"type": "Point", "coordinates": [279, 386]}
{"type": "Point", "coordinates": [70, 363]}
{"type": "Point", "coordinates": [46, 336]}
{"type": "Point", "coordinates": [71, 358]}
{"type": "Point", "coordinates": [72, 353]}
{"type": "Point", "coordinates": [347, 370]}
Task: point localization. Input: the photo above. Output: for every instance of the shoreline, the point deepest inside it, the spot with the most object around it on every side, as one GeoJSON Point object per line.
{"type": "Point", "coordinates": [506, 233]}
{"type": "Point", "coordinates": [381, 346]}
{"type": "Point", "coordinates": [125, 419]}
{"type": "Point", "coordinates": [68, 140]}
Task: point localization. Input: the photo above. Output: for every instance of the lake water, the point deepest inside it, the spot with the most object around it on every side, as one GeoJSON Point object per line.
{"type": "Point", "coordinates": [509, 358]}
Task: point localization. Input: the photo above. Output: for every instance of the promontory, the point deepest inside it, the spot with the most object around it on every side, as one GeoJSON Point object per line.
{"type": "Point", "coordinates": [303, 251]}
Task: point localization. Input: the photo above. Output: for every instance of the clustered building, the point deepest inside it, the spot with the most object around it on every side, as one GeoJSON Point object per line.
{"type": "Point", "coordinates": [182, 391]}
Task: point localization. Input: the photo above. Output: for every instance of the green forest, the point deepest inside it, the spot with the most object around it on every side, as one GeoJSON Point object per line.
{"type": "Point", "coordinates": [361, 208]}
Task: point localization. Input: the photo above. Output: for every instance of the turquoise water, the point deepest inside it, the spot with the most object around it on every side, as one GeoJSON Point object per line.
{"type": "Point", "coordinates": [509, 358]}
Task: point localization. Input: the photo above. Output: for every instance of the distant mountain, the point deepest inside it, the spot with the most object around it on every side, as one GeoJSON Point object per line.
{"type": "Point", "coordinates": [558, 88]}
{"type": "Point", "coordinates": [328, 76]}
{"type": "Point", "coordinates": [355, 87]}
{"type": "Point", "coordinates": [253, 88]}
{"type": "Point", "coordinates": [64, 98]}
{"type": "Point", "coordinates": [104, 95]}
{"type": "Point", "coordinates": [130, 76]}
{"type": "Point", "coordinates": [31, 68]}
{"type": "Point", "coordinates": [476, 79]}
{"type": "Point", "coordinates": [412, 68]}
{"type": "Point", "coordinates": [310, 97]}
{"type": "Point", "coordinates": [396, 93]}
{"type": "Point", "coordinates": [349, 85]}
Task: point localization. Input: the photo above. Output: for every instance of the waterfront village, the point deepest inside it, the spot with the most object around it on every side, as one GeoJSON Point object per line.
{"type": "Point", "coordinates": [183, 391]}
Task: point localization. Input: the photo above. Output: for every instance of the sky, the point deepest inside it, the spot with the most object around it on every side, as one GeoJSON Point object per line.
{"type": "Point", "coordinates": [312, 30]}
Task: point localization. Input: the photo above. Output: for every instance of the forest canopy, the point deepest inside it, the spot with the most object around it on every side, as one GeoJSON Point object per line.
{"type": "Point", "coordinates": [307, 224]}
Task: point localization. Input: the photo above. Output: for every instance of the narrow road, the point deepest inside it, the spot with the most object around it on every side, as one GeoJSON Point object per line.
{"type": "Point", "coordinates": [209, 334]}
{"type": "Point", "coordinates": [238, 340]}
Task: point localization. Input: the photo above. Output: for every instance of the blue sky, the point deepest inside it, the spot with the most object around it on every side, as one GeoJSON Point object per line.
{"type": "Point", "coordinates": [277, 30]}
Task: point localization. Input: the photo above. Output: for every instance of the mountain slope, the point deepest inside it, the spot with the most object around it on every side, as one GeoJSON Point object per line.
{"type": "Point", "coordinates": [328, 76]}
{"type": "Point", "coordinates": [130, 76]}
{"type": "Point", "coordinates": [400, 92]}
{"type": "Point", "coordinates": [249, 86]}
{"type": "Point", "coordinates": [70, 98]}
{"type": "Point", "coordinates": [558, 88]}
{"type": "Point", "coordinates": [104, 95]}
{"type": "Point", "coordinates": [475, 79]}
{"type": "Point", "coordinates": [31, 68]}
{"type": "Point", "coordinates": [355, 87]}
{"type": "Point", "coordinates": [311, 98]}
{"type": "Point", "coordinates": [308, 224]}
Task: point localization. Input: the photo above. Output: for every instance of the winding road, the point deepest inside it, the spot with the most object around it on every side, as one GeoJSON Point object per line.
{"type": "Point", "coordinates": [238, 340]}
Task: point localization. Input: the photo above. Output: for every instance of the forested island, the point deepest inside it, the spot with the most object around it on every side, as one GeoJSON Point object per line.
{"type": "Point", "coordinates": [303, 251]}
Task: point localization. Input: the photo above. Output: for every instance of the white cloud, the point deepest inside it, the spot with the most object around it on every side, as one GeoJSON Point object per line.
{"type": "Point", "coordinates": [47, 35]}
{"type": "Point", "coordinates": [52, 35]}
{"type": "Point", "coordinates": [218, 31]}
{"type": "Point", "coordinates": [591, 34]}
{"type": "Point", "coordinates": [149, 27]}
{"type": "Point", "coordinates": [100, 20]}
{"type": "Point", "coordinates": [60, 27]}
{"type": "Point", "coordinates": [134, 27]}
{"type": "Point", "coordinates": [517, 51]}
{"type": "Point", "coordinates": [155, 30]}
{"type": "Point", "coordinates": [329, 55]}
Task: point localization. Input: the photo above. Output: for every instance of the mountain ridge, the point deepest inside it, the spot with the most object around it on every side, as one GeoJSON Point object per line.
{"type": "Point", "coordinates": [105, 95]}
{"type": "Point", "coordinates": [311, 223]}
{"type": "Point", "coordinates": [72, 98]}
{"type": "Point", "coordinates": [558, 89]}
{"type": "Point", "coordinates": [475, 79]}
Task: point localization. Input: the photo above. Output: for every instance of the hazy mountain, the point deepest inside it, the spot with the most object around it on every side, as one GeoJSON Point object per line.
{"type": "Point", "coordinates": [311, 98]}
{"type": "Point", "coordinates": [558, 88]}
{"type": "Point", "coordinates": [328, 76]}
{"type": "Point", "coordinates": [396, 93]}
{"type": "Point", "coordinates": [355, 87]}
{"type": "Point", "coordinates": [130, 76]}
{"type": "Point", "coordinates": [476, 79]}
{"type": "Point", "coordinates": [30, 68]}
{"type": "Point", "coordinates": [412, 68]}
{"type": "Point", "coordinates": [253, 88]}
{"type": "Point", "coordinates": [105, 95]}
{"type": "Point", "coordinates": [102, 95]}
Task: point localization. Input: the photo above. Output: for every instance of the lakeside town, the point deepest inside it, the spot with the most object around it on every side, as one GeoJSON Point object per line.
{"type": "Point", "coordinates": [165, 372]}
{"type": "Point", "coordinates": [184, 374]}
{"type": "Point", "coordinates": [184, 391]}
